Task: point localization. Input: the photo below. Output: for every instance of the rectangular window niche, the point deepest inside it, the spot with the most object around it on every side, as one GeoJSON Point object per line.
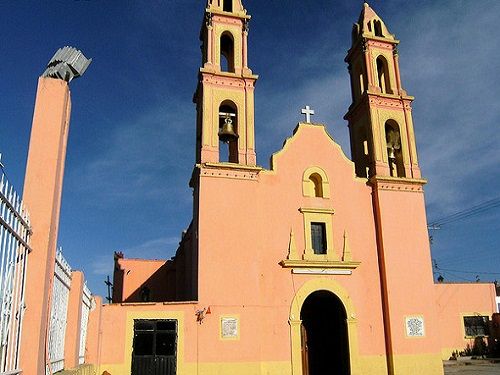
{"type": "Point", "coordinates": [318, 234]}
{"type": "Point", "coordinates": [319, 256]}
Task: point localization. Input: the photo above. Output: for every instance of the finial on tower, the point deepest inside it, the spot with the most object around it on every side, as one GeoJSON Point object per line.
{"type": "Point", "coordinates": [229, 6]}
{"type": "Point", "coordinates": [370, 24]}
{"type": "Point", "coordinates": [66, 64]}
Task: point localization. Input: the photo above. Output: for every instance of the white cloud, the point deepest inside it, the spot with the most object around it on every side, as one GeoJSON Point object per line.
{"type": "Point", "coordinates": [101, 265]}
{"type": "Point", "coordinates": [157, 248]}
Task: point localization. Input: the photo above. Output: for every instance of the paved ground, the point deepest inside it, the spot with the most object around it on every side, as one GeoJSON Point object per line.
{"type": "Point", "coordinates": [471, 368]}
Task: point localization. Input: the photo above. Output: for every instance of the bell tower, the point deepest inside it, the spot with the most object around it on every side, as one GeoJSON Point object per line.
{"type": "Point", "coordinates": [224, 97]}
{"type": "Point", "coordinates": [380, 120]}
{"type": "Point", "coordinates": [383, 149]}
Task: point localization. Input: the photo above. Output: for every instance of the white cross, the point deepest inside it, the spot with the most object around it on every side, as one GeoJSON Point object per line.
{"type": "Point", "coordinates": [308, 112]}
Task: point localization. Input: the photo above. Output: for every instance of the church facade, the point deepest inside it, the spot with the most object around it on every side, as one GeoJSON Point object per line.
{"type": "Point", "coordinates": [318, 265]}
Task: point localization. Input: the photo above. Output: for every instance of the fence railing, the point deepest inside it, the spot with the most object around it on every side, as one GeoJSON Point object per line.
{"type": "Point", "coordinates": [59, 313]}
{"type": "Point", "coordinates": [15, 234]}
{"type": "Point", "coordinates": [86, 306]}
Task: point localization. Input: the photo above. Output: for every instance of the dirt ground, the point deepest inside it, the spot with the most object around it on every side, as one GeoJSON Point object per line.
{"type": "Point", "coordinates": [471, 368]}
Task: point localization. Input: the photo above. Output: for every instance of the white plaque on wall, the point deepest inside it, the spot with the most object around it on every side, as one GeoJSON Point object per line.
{"type": "Point", "coordinates": [229, 328]}
{"type": "Point", "coordinates": [415, 326]}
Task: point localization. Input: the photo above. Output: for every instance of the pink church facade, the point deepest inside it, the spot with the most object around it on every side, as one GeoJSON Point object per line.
{"type": "Point", "coordinates": [319, 264]}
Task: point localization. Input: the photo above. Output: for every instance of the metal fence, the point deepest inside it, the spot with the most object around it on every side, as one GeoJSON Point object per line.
{"type": "Point", "coordinates": [86, 307]}
{"type": "Point", "coordinates": [14, 249]}
{"type": "Point", "coordinates": [59, 313]}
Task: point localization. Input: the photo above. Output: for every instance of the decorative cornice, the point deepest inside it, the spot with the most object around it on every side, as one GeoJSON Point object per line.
{"type": "Point", "coordinates": [316, 210]}
{"type": "Point", "coordinates": [287, 263]}
{"type": "Point", "coordinates": [238, 15]}
{"type": "Point", "coordinates": [373, 38]}
{"type": "Point", "coordinates": [229, 170]}
{"type": "Point", "coordinates": [362, 42]}
{"type": "Point", "coordinates": [391, 101]}
{"type": "Point", "coordinates": [398, 183]}
{"type": "Point", "coordinates": [232, 166]}
{"type": "Point", "coordinates": [228, 79]}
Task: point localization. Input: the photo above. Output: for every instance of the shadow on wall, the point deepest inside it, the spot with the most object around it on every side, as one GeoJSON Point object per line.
{"type": "Point", "coordinates": [157, 287]}
{"type": "Point", "coordinates": [143, 280]}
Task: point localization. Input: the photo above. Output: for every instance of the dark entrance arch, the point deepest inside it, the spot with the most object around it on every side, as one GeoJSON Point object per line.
{"type": "Point", "coordinates": [325, 343]}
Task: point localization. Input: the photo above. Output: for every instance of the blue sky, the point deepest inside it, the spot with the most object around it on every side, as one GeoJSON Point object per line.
{"type": "Point", "coordinates": [131, 144]}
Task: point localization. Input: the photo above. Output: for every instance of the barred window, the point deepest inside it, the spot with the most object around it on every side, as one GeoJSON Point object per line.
{"type": "Point", "coordinates": [476, 326]}
{"type": "Point", "coordinates": [318, 237]}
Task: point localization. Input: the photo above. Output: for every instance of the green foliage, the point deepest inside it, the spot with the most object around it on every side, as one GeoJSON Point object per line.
{"type": "Point", "coordinates": [479, 348]}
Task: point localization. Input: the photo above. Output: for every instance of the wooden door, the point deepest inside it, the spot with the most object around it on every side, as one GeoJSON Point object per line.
{"type": "Point", "coordinates": [305, 353]}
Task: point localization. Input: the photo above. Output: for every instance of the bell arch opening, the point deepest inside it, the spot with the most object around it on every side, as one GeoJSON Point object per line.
{"type": "Point", "coordinates": [227, 5]}
{"type": "Point", "coordinates": [227, 52]}
{"type": "Point", "coordinates": [361, 152]}
{"type": "Point", "coordinates": [228, 132]}
{"type": "Point", "coordinates": [377, 25]}
{"type": "Point", "coordinates": [384, 81]}
{"type": "Point", "coordinates": [324, 335]}
{"type": "Point", "coordinates": [394, 149]}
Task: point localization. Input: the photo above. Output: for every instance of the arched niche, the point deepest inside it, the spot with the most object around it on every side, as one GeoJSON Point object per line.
{"type": "Point", "coordinates": [394, 148]}
{"type": "Point", "coordinates": [228, 132]}
{"type": "Point", "coordinates": [383, 77]}
{"type": "Point", "coordinates": [227, 52]}
{"type": "Point", "coordinates": [377, 28]}
{"type": "Point", "coordinates": [315, 183]}
{"type": "Point", "coordinates": [362, 156]}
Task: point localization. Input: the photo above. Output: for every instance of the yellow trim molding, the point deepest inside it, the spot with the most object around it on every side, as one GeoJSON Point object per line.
{"type": "Point", "coordinates": [290, 263]}
{"type": "Point", "coordinates": [318, 215]}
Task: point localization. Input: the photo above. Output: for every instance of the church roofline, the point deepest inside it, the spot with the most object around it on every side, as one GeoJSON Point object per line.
{"type": "Point", "coordinates": [296, 133]}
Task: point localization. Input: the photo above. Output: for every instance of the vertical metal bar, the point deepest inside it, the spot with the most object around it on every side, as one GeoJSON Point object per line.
{"type": "Point", "coordinates": [14, 238]}
{"type": "Point", "coordinates": [22, 307]}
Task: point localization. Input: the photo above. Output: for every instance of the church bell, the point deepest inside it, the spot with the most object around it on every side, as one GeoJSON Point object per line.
{"type": "Point", "coordinates": [226, 132]}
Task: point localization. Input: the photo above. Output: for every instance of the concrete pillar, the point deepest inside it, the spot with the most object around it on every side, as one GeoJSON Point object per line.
{"type": "Point", "coordinates": [74, 321]}
{"type": "Point", "coordinates": [94, 333]}
{"type": "Point", "coordinates": [42, 196]}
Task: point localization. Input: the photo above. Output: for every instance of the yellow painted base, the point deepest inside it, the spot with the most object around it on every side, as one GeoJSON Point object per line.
{"type": "Point", "coordinates": [428, 364]}
{"type": "Point", "coordinates": [242, 368]}
{"type": "Point", "coordinates": [373, 365]}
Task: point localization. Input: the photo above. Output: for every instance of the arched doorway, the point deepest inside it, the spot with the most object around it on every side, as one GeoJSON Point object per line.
{"type": "Point", "coordinates": [325, 343]}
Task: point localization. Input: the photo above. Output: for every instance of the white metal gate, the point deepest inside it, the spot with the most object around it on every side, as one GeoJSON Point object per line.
{"type": "Point", "coordinates": [86, 306]}
{"type": "Point", "coordinates": [59, 313]}
{"type": "Point", "coordinates": [14, 249]}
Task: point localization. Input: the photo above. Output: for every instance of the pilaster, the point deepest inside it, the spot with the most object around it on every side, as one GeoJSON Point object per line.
{"type": "Point", "coordinates": [42, 196]}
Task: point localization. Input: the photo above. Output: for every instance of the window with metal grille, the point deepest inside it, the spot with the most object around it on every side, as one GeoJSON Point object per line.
{"type": "Point", "coordinates": [476, 326]}
{"type": "Point", "coordinates": [318, 238]}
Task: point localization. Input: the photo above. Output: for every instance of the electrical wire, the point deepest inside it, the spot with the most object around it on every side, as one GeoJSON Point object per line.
{"type": "Point", "coordinates": [469, 272]}
{"type": "Point", "coordinates": [463, 214]}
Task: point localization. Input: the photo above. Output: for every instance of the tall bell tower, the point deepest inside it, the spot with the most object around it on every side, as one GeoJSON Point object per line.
{"type": "Point", "coordinates": [383, 149]}
{"type": "Point", "coordinates": [224, 97]}
{"type": "Point", "coordinates": [380, 119]}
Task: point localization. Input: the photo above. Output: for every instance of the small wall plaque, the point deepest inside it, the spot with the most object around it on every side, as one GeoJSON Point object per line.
{"type": "Point", "coordinates": [229, 328]}
{"type": "Point", "coordinates": [415, 326]}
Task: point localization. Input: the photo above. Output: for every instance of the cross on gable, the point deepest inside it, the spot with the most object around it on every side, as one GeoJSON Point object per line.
{"type": "Point", "coordinates": [308, 112]}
